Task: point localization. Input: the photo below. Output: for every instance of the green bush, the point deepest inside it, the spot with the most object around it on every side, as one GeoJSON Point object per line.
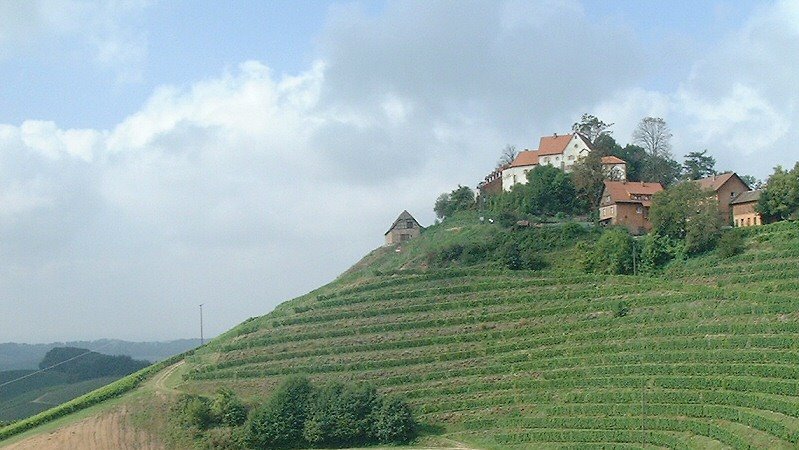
{"type": "Point", "coordinates": [194, 411]}
{"type": "Point", "coordinates": [336, 415]}
{"type": "Point", "coordinates": [279, 423]}
{"type": "Point", "coordinates": [612, 254]}
{"type": "Point", "coordinates": [228, 409]}
{"type": "Point", "coordinates": [395, 423]}
{"type": "Point", "coordinates": [622, 309]}
{"type": "Point", "coordinates": [730, 244]}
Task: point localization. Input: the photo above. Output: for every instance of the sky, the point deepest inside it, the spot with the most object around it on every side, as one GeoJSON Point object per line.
{"type": "Point", "coordinates": [158, 155]}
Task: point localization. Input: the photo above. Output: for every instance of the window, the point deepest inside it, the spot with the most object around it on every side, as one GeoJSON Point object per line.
{"type": "Point", "coordinates": [408, 223]}
{"type": "Point", "coordinates": [405, 237]}
{"type": "Point", "coordinates": [638, 209]}
{"type": "Point", "coordinates": [571, 157]}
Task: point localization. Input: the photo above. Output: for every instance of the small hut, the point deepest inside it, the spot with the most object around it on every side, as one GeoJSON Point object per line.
{"type": "Point", "coordinates": [403, 229]}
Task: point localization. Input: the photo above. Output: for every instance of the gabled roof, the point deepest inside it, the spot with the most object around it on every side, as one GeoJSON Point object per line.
{"type": "Point", "coordinates": [525, 158]}
{"type": "Point", "coordinates": [623, 191]}
{"type": "Point", "coordinates": [404, 215]}
{"type": "Point", "coordinates": [746, 197]}
{"type": "Point", "coordinates": [553, 145]}
{"type": "Point", "coordinates": [715, 182]}
{"type": "Point", "coordinates": [612, 160]}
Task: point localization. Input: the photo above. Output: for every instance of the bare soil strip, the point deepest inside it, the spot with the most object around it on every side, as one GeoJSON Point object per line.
{"type": "Point", "coordinates": [108, 430]}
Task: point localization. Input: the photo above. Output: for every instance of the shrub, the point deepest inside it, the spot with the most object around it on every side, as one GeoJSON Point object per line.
{"type": "Point", "coordinates": [730, 244]}
{"type": "Point", "coordinates": [655, 251]}
{"type": "Point", "coordinates": [195, 411]}
{"type": "Point", "coordinates": [512, 256]}
{"type": "Point", "coordinates": [613, 253]}
{"type": "Point", "coordinates": [279, 423]}
{"type": "Point", "coordinates": [395, 423]}
{"type": "Point", "coordinates": [228, 409]}
{"type": "Point", "coordinates": [336, 415]}
{"type": "Point", "coordinates": [621, 309]}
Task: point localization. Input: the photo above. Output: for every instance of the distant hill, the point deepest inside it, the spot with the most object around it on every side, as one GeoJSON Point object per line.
{"type": "Point", "coordinates": [15, 356]}
{"type": "Point", "coordinates": [71, 372]}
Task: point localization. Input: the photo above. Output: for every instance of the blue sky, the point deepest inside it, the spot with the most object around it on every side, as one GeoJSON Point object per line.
{"type": "Point", "coordinates": [156, 155]}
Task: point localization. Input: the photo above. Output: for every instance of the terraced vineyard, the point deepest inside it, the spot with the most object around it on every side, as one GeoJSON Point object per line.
{"type": "Point", "coordinates": [706, 356]}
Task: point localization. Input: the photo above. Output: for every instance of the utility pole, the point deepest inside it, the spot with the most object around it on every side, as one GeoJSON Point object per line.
{"type": "Point", "coordinates": [202, 340]}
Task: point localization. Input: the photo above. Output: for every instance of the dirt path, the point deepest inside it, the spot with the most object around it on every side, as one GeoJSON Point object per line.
{"type": "Point", "coordinates": [159, 381]}
{"type": "Point", "coordinates": [109, 430]}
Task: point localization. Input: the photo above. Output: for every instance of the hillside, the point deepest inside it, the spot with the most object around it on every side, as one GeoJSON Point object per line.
{"type": "Point", "coordinates": [704, 354]}
{"type": "Point", "coordinates": [707, 354]}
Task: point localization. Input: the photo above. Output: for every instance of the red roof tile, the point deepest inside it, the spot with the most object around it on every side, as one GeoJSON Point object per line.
{"type": "Point", "coordinates": [553, 145]}
{"type": "Point", "coordinates": [612, 160]}
{"type": "Point", "coordinates": [525, 158]}
{"type": "Point", "coordinates": [623, 191]}
{"type": "Point", "coordinates": [714, 182]}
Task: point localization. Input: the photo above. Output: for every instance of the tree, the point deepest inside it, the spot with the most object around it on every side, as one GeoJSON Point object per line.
{"type": "Point", "coordinates": [509, 153]}
{"type": "Point", "coordinates": [636, 158]}
{"type": "Point", "coordinates": [698, 165]}
{"type": "Point", "coordinates": [460, 199]}
{"type": "Point", "coordinates": [654, 136]}
{"type": "Point", "coordinates": [752, 182]}
{"type": "Point", "coordinates": [687, 213]}
{"type": "Point", "coordinates": [549, 191]}
{"type": "Point", "coordinates": [280, 422]}
{"type": "Point", "coordinates": [591, 127]}
{"type": "Point", "coordinates": [780, 197]}
{"type": "Point", "coordinates": [588, 177]}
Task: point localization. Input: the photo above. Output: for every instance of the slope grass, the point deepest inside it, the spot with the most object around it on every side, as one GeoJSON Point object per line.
{"type": "Point", "coordinates": [707, 355]}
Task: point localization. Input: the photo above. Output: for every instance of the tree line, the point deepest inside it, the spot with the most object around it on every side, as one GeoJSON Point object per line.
{"type": "Point", "coordinates": [299, 414]}
{"type": "Point", "coordinates": [81, 364]}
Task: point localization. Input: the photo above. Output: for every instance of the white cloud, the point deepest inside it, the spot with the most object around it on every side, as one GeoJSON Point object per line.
{"type": "Point", "coordinates": [106, 28]}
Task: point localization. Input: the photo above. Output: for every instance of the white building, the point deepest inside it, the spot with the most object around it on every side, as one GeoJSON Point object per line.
{"type": "Point", "coordinates": [560, 151]}
{"type": "Point", "coordinates": [615, 169]}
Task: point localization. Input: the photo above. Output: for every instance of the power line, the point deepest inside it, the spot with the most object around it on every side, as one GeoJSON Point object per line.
{"type": "Point", "coordinates": [54, 365]}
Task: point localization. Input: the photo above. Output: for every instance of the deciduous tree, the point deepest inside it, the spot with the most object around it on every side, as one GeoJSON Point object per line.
{"type": "Point", "coordinates": [686, 212]}
{"type": "Point", "coordinates": [509, 153]}
{"type": "Point", "coordinates": [780, 197]}
{"type": "Point", "coordinates": [591, 127]}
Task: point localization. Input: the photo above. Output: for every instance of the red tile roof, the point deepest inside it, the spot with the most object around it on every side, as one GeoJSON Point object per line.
{"type": "Point", "coordinates": [714, 182]}
{"type": "Point", "coordinates": [623, 191]}
{"type": "Point", "coordinates": [525, 158]}
{"type": "Point", "coordinates": [553, 145]}
{"type": "Point", "coordinates": [612, 160]}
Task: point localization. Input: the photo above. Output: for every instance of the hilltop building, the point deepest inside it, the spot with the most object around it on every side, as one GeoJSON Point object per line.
{"type": "Point", "coordinates": [403, 229]}
{"type": "Point", "coordinates": [744, 212]}
{"type": "Point", "coordinates": [492, 183]}
{"type": "Point", "coordinates": [560, 151]}
{"type": "Point", "coordinates": [627, 204]}
{"type": "Point", "coordinates": [725, 187]}
{"type": "Point", "coordinates": [614, 168]}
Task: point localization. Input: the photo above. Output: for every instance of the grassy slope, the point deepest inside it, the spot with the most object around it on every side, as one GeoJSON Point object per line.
{"type": "Point", "coordinates": [707, 357]}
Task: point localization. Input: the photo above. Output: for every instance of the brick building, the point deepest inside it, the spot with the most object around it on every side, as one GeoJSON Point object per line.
{"type": "Point", "coordinates": [725, 187]}
{"type": "Point", "coordinates": [744, 213]}
{"type": "Point", "coordinates": [627, 203]}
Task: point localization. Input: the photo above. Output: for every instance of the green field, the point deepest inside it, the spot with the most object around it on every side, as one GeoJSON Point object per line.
{"type": "Point", "coordinates": [708, 355]}
{"type": "Point", "coordinates": [40, 392]}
